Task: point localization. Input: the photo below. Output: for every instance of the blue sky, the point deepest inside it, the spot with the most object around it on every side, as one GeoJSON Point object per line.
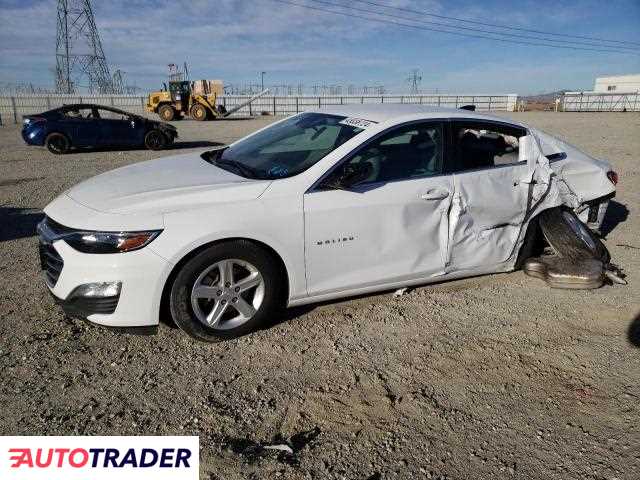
{"type": "Point", "coordinates": [236, 39]}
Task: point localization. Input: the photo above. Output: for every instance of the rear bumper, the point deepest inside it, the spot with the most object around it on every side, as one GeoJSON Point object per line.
{"type": "Point", "coordinates": [592, 213]}
{"type": "Point", "coordinates": [32, 136]}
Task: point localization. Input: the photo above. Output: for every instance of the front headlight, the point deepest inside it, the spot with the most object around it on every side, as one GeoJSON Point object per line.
{"type": "Point", "coordinates": [110, 242]}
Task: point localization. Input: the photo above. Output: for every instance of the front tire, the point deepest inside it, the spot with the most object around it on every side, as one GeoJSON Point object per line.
{"type": "Point", "coordinates": [226, 291]}
{"type": "Point", "coordinates": [198, 112]}
{"type": "Point", "coordinates": [57, 143]}
{"type": "Point", "coordinates": [155, 140]}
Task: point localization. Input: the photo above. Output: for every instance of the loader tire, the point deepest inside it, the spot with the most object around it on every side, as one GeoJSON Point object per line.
{"type": "Point", "coordinates": [569, 237]}
{"type": "Point", "coordinates": [167, 113]}
{"type": "Point", "coordinates": [198, 112]}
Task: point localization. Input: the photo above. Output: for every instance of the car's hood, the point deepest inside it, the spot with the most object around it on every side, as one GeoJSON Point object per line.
{"type": "Point", "coordinates": [164, 185]}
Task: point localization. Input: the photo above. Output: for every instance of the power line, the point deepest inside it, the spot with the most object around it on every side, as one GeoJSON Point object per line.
{"type": "Point", "coordinates": [461, 27]}
{"type": "Point", "coordinates": [408, 10]}
{"type": "Point", "coordinates": [418, 27]}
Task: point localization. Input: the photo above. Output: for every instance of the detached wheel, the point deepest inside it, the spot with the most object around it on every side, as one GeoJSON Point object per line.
{"type": "Point", "coordinates": [569, 237]}
{"type": "Point", "coordinates": [155, 140]}
{"type": "Point", "coordinates": [57, 143]}
{"type": "Point", "coordinates": [226, 291]}
{"type": "Point", "coordinates": [198, 112]}
{"type": "Point", "coordinates": [167, 113]}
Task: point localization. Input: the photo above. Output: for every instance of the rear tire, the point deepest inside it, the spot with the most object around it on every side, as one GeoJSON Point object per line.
{"type": "Point", "coordinates": [569, 237]}
{"type": "Point", "coordinates": [198, 112]}
{"type": "Point", "coordinates": [57, 143]}
{"type": "Point", "coordinates": [167, 113]}
{"type": "Point", "coordinates": [229, 308]}
{"type": "Point", "coordinates": [155, 140]}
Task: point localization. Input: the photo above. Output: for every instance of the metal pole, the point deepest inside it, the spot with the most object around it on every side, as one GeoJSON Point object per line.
{"type": "Point", "coordinates": [66, 43]}
{"type": "Point", "coordinates": [297, 110]}
{"type": "Point", "coordinates": [15, 113]}
{"type": "Point", "coordinates": [262, 80]}
{"type": "Point", "coordinates": [274, 106]}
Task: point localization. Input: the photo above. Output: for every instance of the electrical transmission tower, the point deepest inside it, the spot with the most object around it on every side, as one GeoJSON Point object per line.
{"type": "Point", "coordinates": [414, 80]}
{"type": "Point", "coordinates": [79, 50]}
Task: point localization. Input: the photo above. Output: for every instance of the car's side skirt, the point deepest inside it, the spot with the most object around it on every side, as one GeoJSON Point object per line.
{"type": "Point", "coordinates": [353, 292]}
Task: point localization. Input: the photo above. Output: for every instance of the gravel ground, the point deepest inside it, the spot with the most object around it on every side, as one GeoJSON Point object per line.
{"type": "Point", "coordinates": [489, 377]}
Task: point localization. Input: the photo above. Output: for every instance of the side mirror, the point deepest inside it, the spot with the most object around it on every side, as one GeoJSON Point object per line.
{"type": "Point", "coordinates": [350, 176]}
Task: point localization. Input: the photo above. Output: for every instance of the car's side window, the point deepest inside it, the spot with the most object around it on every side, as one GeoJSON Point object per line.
{"type": "Point", "coordinates": [111, 115]}
{"type": "Point", "coordinates": [485, 145]}
{"type": "Point", "coordinates": [404, 153]}
{"type": "Point", "coordinates": [78, 113]}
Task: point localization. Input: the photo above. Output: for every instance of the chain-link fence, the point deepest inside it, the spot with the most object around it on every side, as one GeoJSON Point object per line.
{"type": "Point", "coordinates": [13, 108]}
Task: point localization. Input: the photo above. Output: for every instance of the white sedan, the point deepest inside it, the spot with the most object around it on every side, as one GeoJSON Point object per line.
{"type": "Point", "coordinates": [324, 204]}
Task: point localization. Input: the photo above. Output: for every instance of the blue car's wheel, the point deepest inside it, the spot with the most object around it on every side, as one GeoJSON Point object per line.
{"type": "Point", "coordinates": [155, 140]}
{"type": "Point", "coordinates": [57, 143]}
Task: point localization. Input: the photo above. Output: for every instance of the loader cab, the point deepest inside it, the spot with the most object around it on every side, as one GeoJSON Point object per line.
{"type": "Point", "coordinates": [180, 92]}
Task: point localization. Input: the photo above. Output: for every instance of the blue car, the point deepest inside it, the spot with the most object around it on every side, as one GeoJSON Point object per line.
{"type": "Point", "coordinates": [89, 125]}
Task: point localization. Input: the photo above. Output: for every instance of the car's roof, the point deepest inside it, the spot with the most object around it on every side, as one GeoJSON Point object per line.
{"type": "Point", "coordinates": [74, 106]}
{"type": "Point", "coordinates": [378, 112]}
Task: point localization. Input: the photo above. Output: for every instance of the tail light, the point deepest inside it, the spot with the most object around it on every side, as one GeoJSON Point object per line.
{"type": "Point", "coordinates": [29, 120]}
{"type": "Point", "coordinates": [613, 177]}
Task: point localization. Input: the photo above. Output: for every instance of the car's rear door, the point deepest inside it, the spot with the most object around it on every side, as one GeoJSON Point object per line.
{"type": "Point", "coordinates": [490, 192]}
{"type": "Point", "coordinates": [393, 226]}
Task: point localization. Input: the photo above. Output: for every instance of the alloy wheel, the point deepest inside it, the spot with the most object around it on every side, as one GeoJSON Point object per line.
{"type": "Point", "coordinates": [227, 294]}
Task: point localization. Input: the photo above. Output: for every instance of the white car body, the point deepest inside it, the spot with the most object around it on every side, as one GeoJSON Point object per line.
{"type": "Point", "coordinates": [333, 243]}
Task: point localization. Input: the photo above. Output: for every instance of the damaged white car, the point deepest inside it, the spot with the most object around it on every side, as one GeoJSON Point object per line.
{"type": "Point", "coordinates": [325, 204]}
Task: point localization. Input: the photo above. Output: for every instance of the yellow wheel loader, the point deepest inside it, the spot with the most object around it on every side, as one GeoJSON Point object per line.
{"type": "Point", "coordinates": [194, 99]}
{"type": "Point", "coordinates": [185, 98]}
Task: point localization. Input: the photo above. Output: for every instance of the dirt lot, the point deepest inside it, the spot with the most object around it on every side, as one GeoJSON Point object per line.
{"type": "Point", "coordinates": [490, 377]}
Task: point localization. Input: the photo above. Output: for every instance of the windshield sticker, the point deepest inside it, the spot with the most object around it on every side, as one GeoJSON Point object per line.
{"type": "Point", "coordinates": [357, 122]}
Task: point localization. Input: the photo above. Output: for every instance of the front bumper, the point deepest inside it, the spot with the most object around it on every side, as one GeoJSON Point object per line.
{"type": "Point", "coordinates": [141, 274]}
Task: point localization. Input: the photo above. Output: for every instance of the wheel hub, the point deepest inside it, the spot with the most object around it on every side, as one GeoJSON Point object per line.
{"type": "Point", "coordinates": [227, 294]}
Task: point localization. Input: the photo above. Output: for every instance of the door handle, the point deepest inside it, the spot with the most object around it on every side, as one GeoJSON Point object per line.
{"type": "Point", "coordinates": [435, 194]}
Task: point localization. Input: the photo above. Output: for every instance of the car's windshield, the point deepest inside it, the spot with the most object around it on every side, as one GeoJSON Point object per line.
{"type": "Point", "coordinates": [287, 148]}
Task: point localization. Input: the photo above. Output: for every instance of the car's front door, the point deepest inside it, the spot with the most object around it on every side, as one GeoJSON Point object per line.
{"type": "Point", "coordinates": [390, 227]}
{"type": "Point", "coordinates": [490, 191]}
{"type": "Point", "coordinates": [117, 128]}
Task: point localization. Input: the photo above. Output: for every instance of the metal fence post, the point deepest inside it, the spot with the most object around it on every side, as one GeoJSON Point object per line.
{"type": "Point", "coordinates": [112, 104]}
{"type": "Point", "coordinates": [381, 99]}
{"type": "Point", "coordinates": [361, 99]}
{"type": "Point", "coordinates": [274, 106]}
{"type": "Point", "coordinates": [319, 102]}
{"type": "Point", "coordinates": [341, 101]}
{"type": "Point", "coordinates": [489, 102]}
{"type": "Point", "coordinates": [297, 109]}
{"type": "Point", "coordinates": [438, 100]}
{"type": "Point", "coordinates": [15, 113]}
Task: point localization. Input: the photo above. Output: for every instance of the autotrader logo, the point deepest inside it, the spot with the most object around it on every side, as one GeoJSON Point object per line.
{"type": "Point", "coordinates": [70, 458]}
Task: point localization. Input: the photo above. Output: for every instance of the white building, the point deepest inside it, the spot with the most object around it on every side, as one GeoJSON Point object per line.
{"type": "Point", "coordinates": [618, 84]}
